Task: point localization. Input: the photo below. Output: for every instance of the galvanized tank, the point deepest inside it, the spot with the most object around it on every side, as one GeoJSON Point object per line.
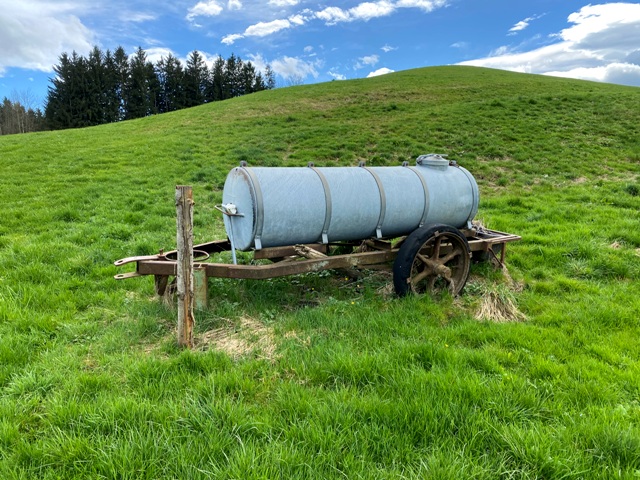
{"type": "Point", "coordinates": [279, 206]}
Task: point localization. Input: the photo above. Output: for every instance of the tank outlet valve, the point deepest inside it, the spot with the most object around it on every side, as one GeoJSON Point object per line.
{"type": "Point", "coordinates": [229, 209]}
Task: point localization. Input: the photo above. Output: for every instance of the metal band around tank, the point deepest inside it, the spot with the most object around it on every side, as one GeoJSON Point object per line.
{"type": "Point", "coordinates": [425, 211]}
{"type": "Point", "coordinates": [383, 200]}
{"type": "Point", "coordinates": [475, 193]}
{"type": "Point", "coordinates": [329, 206]}
{"type": "Point", "coordinates": [259, 207]}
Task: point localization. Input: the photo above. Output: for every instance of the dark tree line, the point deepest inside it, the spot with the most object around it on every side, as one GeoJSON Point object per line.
{"type": "Point", "coordinates": [109, 87]}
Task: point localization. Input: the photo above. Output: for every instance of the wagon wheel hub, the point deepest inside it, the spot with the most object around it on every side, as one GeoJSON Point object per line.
{"type": "Point", "coordinates": [437, 266]}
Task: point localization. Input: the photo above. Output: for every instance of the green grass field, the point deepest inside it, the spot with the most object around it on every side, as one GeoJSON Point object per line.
{"type": "Point", "coordinates": [316, 376]}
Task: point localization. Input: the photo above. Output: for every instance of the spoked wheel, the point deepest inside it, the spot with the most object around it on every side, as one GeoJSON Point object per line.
{"type": "Point", "coordinates": [434, 259]}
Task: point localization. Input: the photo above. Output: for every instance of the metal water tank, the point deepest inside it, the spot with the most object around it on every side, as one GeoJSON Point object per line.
{"type": "Point", "coordinates": [278, 206]}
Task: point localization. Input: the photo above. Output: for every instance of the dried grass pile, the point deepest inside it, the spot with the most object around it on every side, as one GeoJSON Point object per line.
{"type": "Point", "coordinates": [247, 338]}
{"type": "Point", "coordinates": [499, 306]}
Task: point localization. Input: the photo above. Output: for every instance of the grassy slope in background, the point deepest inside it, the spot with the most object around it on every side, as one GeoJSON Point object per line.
{"type": "Point", "coordinates": [344, 380]}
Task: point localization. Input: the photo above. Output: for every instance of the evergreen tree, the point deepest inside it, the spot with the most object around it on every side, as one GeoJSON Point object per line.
{"type": "Point", "coordinates": [58, 111]}
{"type": "Point", "coordinates": [196, 77]}
{"type": "Point", "coordinates": [79, 91]}
{"type": "Point", "coordinates": [36, 120]}
{"type": "Point", "coordinates": [258, 83]}
{"type": "Point", "coordinates": [96, 88]}
{"type": "Point", "coordinates": [154, 89]}
{"type": "Point", "coordinates": [247, 79]}
{"type": "Point", "coordinates": [142, 87]}
{"type": "Point", "coordinates": [172, 84]}
{"type": "Point", "coordinates": [233, 80]}
{"type": "Point", "coordinates": [216, 83]}
{"type": "Point", "coordinates": [122, 74]}
{"type": "Point", "coordinates": [111, 101]}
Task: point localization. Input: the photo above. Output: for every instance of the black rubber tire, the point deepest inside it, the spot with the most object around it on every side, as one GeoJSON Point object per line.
{"type": "Point", "coordinates": [415, 242]}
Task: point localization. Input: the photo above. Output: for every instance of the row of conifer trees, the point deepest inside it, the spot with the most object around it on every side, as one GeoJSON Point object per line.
{"type": "Point", "coordinates": [107, 87]}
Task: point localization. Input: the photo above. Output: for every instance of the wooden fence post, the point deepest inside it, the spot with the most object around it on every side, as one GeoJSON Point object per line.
{"type": "Point", "coordinates": [184, 274]}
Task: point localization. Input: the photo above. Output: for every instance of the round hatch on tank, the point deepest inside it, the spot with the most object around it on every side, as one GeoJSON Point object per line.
{"type": "Point", "coordinates": [433, 160]}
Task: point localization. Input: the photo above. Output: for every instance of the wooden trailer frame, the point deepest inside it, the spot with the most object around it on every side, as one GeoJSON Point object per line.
{"type": "Point", "coordinates": [442, 252]}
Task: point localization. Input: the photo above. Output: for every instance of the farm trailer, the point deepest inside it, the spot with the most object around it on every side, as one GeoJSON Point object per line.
{"type": "Point", "coordinates": [416, 220]}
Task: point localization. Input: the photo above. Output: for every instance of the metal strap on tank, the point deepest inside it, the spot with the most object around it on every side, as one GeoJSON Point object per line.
{"type": "Point", "coordinates": [425, 212]}
{"type": "Point", "coordinates": [259, 207]}
{"type": "Point", "coordinates": [383, 199]}
{"type": "Point", "coordinates": [327, 198]}
{"type": "Point", "coordinates": [474, 193]}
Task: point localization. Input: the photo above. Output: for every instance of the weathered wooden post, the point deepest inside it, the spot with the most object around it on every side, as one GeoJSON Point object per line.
{"type": "Point", "coordinates": [184, 274]}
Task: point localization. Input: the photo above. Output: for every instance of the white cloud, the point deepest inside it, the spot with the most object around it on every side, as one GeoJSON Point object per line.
{"type": "Point", "coordinates": [155, 54]}
{"type": "Point", "coordinates": [259, 62]}
{"type": "Point", "coordinates": [330, 15]}
{"type": "Point", "coordinates": [364, 11]}
{"type": "Point", "coordinates": [204, 9]}
{"type": "Point", "coordinates": [368, 10]}
{"type": "Point", "coordinates": [234, 5]}
{"type": "Point", "coordinates": [426, 5]}
{"type": "Point", "coordinates": [380, 71]}
{"type": "Point", "coordinates": [292, 68]}
{"type": "Point", "coordinates": [502, 50]}
{"type": "Point", "coordinates": [284, 3]}
{"type": "Point", "coordinates": [230, 39]}
{"type": "Point", "coordinates": [388, 48]}
{"type": "Point", "coordinates": [459, 45]}
{"type": "Point", "coordinates": [262, 29]}
{"type": "Point", "coordinates": [337, 76]}
{"type": "Point", "coordinates": [308, 49]}
{"type": "Point", "coordinates": [369, 60]}
{"type": "Point", "coordinates": [622, 73]}
{"type": "Point", "coordinates": [298, 19]}
{"type": "Point", "coordinates": [602, 44]}
{"type": "Point", "coordinates": [593, 20]}
{"type": "Point", "coordinates": [33, 33]}
{"type": "Point", "coordinates": [521, 25]}
{"type": "Point", "coordinates": [137, 17]}
{"type": "Point", "coordinates": [548, 58]}
{"type": "Point", "coordinates": [333, 15]}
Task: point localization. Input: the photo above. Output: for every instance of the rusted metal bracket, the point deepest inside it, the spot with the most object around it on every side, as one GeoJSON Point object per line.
{"type": "Point", "coordinates": [124, 261]}
{"type": "Point", "coordinates": [123, 276]}
{"type": "Point", "coordinates": [281, 252]}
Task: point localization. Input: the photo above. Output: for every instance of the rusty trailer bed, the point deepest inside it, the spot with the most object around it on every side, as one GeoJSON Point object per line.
{"type": "Point", "coordinates": [484, 244]}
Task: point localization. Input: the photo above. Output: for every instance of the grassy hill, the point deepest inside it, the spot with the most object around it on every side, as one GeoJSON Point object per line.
{"type": "Point", "coordinates": [316, 376]}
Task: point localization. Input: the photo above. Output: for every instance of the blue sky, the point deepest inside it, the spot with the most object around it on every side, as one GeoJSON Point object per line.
{"type": "Point", "coordinates": [309, 42]}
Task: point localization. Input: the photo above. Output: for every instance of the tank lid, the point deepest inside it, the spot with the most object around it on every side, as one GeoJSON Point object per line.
{"type": "Point", "coordinates": [432, 160]}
